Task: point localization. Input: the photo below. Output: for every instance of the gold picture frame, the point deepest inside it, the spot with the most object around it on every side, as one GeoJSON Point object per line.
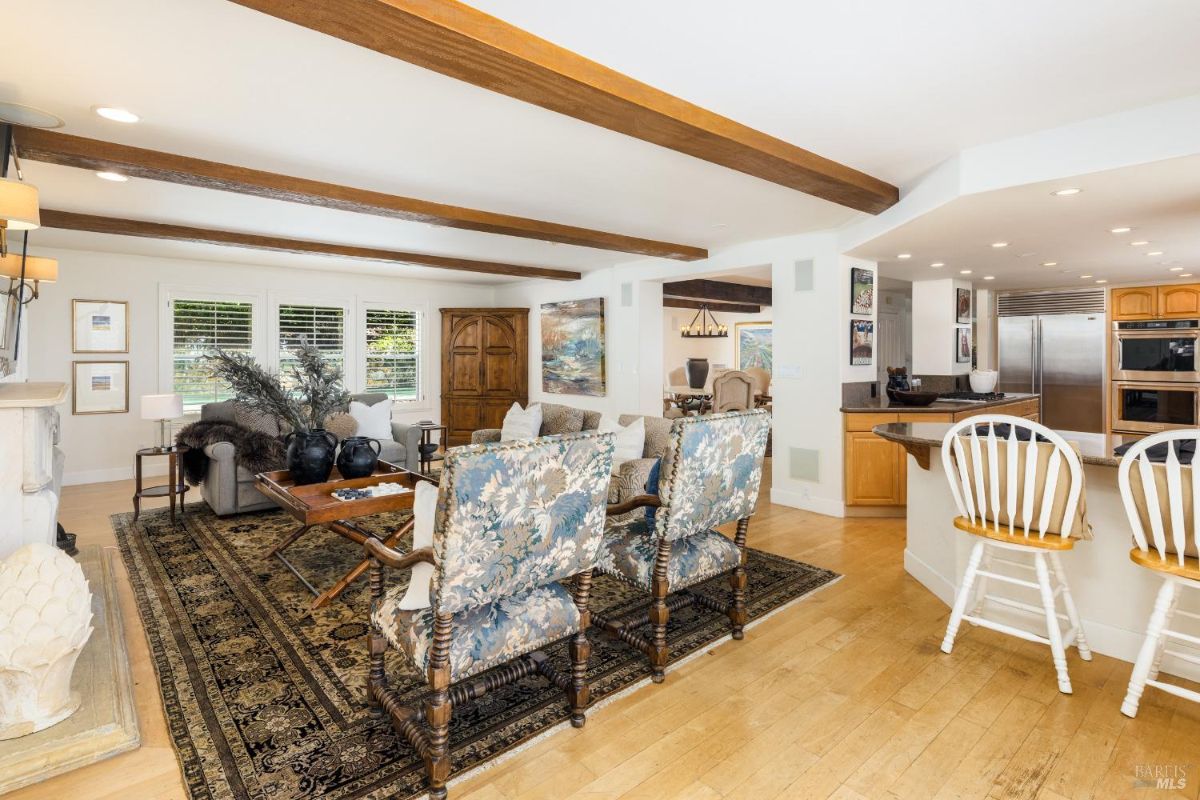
{"type": "Point", "coordinates": [95, 323]}
{"type": "Point", "coordinates": [97, 384]}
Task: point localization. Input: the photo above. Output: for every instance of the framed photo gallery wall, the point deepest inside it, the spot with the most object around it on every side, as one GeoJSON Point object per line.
{"type": "Point", "coordinates": [862, 303]}
{"type": "Point", "coordinates": [100, 327]}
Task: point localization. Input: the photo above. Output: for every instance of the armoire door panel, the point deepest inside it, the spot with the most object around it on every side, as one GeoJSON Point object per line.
{"type": "Point", "coordinates": [484, 364]}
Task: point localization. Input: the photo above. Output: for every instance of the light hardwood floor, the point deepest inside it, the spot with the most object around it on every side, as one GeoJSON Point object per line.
{"type": "Point", "coordinates": [842, 695]}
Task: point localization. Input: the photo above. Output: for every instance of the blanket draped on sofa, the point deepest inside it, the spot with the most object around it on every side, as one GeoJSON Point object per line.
{"type": "Point", "coordinates": [256, 451]}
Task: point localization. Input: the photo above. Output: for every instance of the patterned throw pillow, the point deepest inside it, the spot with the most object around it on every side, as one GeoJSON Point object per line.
{"type": "Point", "coordinates": [341, 425]}
{"type": "Point", "coordinates": [652, 488]}
{"type": "Point", "coordinates": [255, 420]}
{"type": "Point", "coordinates": [558, 419]}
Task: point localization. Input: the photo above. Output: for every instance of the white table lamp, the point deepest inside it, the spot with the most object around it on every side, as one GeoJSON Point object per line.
{"type": "Point", "coordinates": [162, 407]}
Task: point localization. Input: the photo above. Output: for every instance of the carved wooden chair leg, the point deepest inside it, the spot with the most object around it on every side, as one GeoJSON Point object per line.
{"type": "Point", "coordinates": [737, 581]}
{"type": "Point", "coordinates": [579, 692]}
{"type": "Point", "coordinates": [659, 612]}
{"type": "Point", "coordinates": [438, 709]}
{"type": "Point", "coordinates": [376, 677]}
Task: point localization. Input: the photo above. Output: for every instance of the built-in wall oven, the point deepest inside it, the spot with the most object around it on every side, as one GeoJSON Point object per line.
{"type": "Point", "coordinates": [1153, 407]}
{"type": "Point", "coordinates": [1160, 350]}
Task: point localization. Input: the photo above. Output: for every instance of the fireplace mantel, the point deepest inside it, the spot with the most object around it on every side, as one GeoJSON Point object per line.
{"type": "Point", "coordinates": [31, 470]}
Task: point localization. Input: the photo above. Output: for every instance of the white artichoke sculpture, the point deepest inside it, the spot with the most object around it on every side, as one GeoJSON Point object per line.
{"type": "Point", "coordinates": [45, 620]}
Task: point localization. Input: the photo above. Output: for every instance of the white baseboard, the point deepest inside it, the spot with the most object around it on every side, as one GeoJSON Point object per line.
{"type": "Point", "coordinates": [818, 505]}
{"type": "Point", "coordinates": [81, 477]}
{"type": "Point", "coordinates": [1102, 638]}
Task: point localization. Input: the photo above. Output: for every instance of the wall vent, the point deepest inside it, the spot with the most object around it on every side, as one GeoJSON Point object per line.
{"type": "Point", "coordinates": [1070, 301]}
{"type": "Point", "coordinates": [626, 294]}
{"type": "Point", "coordinates": [804, 275]}
{"type": "Point", "coordinates": [804, 464]}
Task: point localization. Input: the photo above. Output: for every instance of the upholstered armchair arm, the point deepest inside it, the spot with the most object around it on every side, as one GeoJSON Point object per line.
{"type": "Point", "coordinates": [409, 436]}
{"type": "Point", "coordinates": [635, 502]}
{"type": "Point", "coordinates": [394, 558]}
{"type": "Point", "coordinates": [485, 435]}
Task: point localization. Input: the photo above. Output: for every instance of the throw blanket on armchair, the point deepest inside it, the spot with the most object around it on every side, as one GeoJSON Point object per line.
{"type": "Point", "coordinates": [256, 451]}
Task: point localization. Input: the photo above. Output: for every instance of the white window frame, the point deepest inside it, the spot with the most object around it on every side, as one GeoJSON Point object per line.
{"type": "Point", "coordinates": [424, 355]}
{"type": "Point", "coordinates": [350, 325]}
{"type": "Point", "coordinates": [168, 293]}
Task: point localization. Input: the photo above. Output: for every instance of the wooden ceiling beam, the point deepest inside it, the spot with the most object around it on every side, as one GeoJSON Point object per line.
{"type": "Point", "coordinates": [64, 149]}
{"type": "Point", "coordinates": [728, 308]}
{"type": "Point", "coordinates": [720, 291]}
{"type": "Point", "coordinates": [459, 41]}
{"type": "Point", "coordinates": [68, 220]}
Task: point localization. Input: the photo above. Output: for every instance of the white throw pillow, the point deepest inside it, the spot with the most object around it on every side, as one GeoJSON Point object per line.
{"type": "Point", "coordinates": [521, 424]}
{"type": "Point", "coordinates": [424, 508]}
{"type": "Point", "coordinates": [631, 439]}
{"type": "Point", "coordinates": [373, 421]}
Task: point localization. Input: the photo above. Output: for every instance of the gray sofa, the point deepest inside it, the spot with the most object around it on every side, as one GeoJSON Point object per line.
{"type": "Point", "coordinates": [631, 477]}
{"type": "Point", "coordinates": [229, 489]}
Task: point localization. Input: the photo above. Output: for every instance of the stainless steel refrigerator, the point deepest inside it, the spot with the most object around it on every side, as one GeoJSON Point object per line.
{"type": "Point", "coordinates": [1061, 357]}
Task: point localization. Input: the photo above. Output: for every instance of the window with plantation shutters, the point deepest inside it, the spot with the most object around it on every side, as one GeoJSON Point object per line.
{"type": "Point", "coordinates": [392, 353]}
{"type": "Point", "coordinates": [324, 327]}
{"type": "Point", "coordinates": [199, 327]}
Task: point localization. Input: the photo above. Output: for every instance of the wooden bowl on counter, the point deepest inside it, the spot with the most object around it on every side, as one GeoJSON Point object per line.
{"type": "Point", "coordinates": [911, 398]}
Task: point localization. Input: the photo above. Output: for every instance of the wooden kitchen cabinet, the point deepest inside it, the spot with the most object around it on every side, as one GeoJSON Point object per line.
{"type": "Point", "coordinates": [1135, 302]}
{"type": "Point", "coordinates": [1179, 301]}
{"type": "Point", "coordinates": [873, 470]}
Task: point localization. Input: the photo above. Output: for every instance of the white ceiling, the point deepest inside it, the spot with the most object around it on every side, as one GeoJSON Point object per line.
{"type": "Point", "coordinates": [888, 88]}
{"type": "Point", "coordinates": [1160, 201]}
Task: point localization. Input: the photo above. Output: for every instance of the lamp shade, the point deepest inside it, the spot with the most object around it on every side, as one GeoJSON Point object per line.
{"type": "Point", "coordinates": [36, 268]}
{"type": "Point", "coordinates": [19, 205]}
{"type": "Point", "coordinates": [162, 406]}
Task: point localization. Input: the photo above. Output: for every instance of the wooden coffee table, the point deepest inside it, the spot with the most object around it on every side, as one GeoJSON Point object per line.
{"type": "Point", "coordinates": [314, 504]}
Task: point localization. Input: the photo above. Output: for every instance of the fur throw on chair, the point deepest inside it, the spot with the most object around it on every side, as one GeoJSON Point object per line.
{"type": "Point", "coordinates": [256, 451]}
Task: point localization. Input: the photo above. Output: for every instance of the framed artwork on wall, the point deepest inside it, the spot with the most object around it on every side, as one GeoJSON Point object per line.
{"type": "Point", "coordinates": [962, 305]}
{"type": "Point", "coordinates": [962, 345]}
{"type": "Point", "coordinates": [573, 347]}
{"type": "Point", "coordinates": [752, 343]}
{"type": "Point", "coordinates": [862, 342]}
{"type": "Point", "coordinates": [862, 290]}
{"type": "Point", "coordinates": [100, 387]}
{"type": "Point", "coordinates": [99, 326]}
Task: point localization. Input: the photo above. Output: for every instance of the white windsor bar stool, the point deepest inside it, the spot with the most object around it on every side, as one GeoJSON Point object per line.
{"type": "Point", "coordinates": [1023, 497]}
{"type": "Point", "coordinates": [1174, 556]}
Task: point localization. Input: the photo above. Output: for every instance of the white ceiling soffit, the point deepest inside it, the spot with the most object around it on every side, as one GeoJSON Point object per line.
{"type": "Point", "coordinates": [1160, 201]}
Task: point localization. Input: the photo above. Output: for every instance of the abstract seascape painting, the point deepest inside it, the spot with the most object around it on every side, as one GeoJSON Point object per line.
{"type": "Point", "coordinates": [753, 345]}
{"type": "Point", "coordinates": [573, 347]}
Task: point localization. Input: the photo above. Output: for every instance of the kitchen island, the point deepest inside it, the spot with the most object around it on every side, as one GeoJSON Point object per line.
{"type": "Point", "coordinates": [1114, 596]}
{"type": "Point", "coordinates": [875, 468]}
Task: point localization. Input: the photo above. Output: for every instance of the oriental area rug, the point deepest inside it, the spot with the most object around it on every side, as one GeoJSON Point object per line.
{"type": "Point", "coordinates": [264, 696]}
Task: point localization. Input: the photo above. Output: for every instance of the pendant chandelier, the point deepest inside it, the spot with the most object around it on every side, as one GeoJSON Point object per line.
{"type": "Point", "coordinates": [704, 326]}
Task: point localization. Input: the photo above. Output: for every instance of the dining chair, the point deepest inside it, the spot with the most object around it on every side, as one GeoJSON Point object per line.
{"type": "Point", "coordinates": [710, 475]}
{"type": "Point", "coordinates": [687, 405]}
{"type": "Point", "coordinates": [762, 385]}
{"type": "Point", "coordinates": [1164, 499]}
{"type": "Point", "coordinates": [1019, 489]}
{"type": "Point", "coordinates": [513, 520]}
{"type": "Point", "coordinates": [733, 390]}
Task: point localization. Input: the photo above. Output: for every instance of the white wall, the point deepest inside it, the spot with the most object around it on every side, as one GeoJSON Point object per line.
{"type": "Point", "coordinates": [933, 320]}
{"type": "Point", "coordinates": [101, 447]}
{"type": "Point", "coordinates": [677, 349]}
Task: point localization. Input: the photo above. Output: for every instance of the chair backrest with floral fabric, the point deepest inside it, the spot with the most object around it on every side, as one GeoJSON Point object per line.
{"type": "Point", "coordinates": [711, 472]}
{"type": "Point", "coordinates": [513, 516]}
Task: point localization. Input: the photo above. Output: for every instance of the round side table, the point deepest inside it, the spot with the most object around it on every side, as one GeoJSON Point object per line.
{"type": "Point", "coordinates": [176, 487]}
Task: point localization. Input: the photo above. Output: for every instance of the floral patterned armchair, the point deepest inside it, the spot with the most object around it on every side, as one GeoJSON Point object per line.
{"type": "Point", "coordinates": [710, 476]}
{"type": "Point", "coordinates": [512, 521]}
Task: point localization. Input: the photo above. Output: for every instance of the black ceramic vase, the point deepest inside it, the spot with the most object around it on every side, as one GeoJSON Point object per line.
{"type": "Point", "coordinates": [310, 455]}
{"type": "Point", "coordinates": [359, 456]}
{"type": "Point", "coordinates": [697, 372]}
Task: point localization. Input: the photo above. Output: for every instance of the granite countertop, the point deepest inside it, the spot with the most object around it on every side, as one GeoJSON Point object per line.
{"type": "Point", "coordinates": [876, 405]}
{"type": "Point", "coordinates": [1094, 448]}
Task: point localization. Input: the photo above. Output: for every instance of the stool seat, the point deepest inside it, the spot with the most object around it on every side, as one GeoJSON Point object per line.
{"type": "Point", "coordinates": [1149, 559]}
{"type": "Point", "coordinates": [1051, 541]}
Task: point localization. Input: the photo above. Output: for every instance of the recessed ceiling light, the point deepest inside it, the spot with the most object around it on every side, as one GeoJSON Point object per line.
{"type": "Point", "coordinates": [720, 225]}
{"type": "Point", "coordinates": [1185, 275]}
{"type": "Point", "coordinates": [937, 264]}
{"type": "Point", "coordinates": [1066, 192]}
{"type": "Point", "coordinates": [1155, 253]}
{"type": "Point", "coordinates": [116, 114]}
{"type": "Point", "coordinates": [1101, 280]}
{"type": "Point", "coordinates": [1085, 276]}
{"type": "Point", "coordinates": [904, 255]}
{"type": "Point", "coordinates": [1139, 243]}
{"type": "Point", "coordinates": [999, 244]}
{"type": "Point", "coordinates": [1122, 229]}
{"type": "Point", "coordinates": [116, 177]}
{"type": "Point", "coordinates": [964, 272]}
{"type": "Point", "coordinates": [989, 277]}
{"type": "Point", "coordinates": [1175, 269]}
{"type": "Point", "coordinates": [1049, 263]}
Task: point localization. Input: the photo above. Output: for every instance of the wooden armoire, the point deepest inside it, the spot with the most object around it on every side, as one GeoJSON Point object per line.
{"type": "Point", "coordinates": [485, 368]}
